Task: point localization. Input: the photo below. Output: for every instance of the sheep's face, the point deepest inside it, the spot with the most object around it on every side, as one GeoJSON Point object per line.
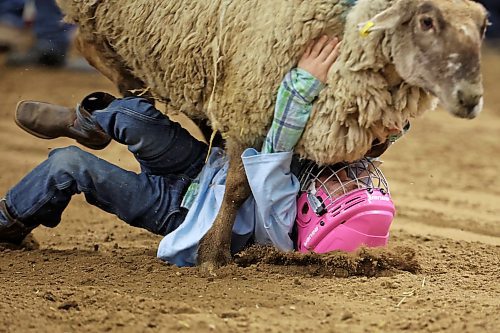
{"type": "Point", "coordinates": [436, 45]}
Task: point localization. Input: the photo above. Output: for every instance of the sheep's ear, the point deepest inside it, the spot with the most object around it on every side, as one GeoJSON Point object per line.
{"type": "Point", "coordinates": [401, 11]}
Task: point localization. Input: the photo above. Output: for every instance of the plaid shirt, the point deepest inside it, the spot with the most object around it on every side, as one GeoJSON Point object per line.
{"type": "Point", "coordinates": [293, 107]}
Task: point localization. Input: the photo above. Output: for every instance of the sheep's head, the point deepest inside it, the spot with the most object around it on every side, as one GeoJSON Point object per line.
{"type": "Point", "coordinates": [435, 45]}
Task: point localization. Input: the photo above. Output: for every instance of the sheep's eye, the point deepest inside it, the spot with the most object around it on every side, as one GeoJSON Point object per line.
{"type": "Point", "coordinates": [426, 23]}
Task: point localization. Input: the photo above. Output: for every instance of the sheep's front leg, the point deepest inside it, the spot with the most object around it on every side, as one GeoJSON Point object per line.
{"type": "Point", "coordinates": [215, 246]}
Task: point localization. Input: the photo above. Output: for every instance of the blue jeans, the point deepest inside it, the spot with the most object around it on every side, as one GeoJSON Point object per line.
{"type": "Point", "coordinates": [493, 7]}
{"type": "Point", "coordinates": [52, 35]}
{"type": "Point", "coordinates": [11, 12]}
{"type": "Point", "coordinates": [168, 155]}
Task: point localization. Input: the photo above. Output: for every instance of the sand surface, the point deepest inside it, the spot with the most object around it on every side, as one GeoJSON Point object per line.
{"type": "Point", "coordinates": [440, 273]}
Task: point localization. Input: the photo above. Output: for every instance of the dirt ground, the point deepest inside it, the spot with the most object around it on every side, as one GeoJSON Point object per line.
{"type": "Point", "coordinates": [441, 272]}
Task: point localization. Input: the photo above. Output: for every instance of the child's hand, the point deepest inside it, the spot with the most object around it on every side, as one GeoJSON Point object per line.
{"type": "Point", "coordinates": [320, 56]}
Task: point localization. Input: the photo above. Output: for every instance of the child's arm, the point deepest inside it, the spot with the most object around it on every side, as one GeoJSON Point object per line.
{"type": "Point", "coordinates": [296, 94]}
{"type": "Point", "coordinates": [273, 186]}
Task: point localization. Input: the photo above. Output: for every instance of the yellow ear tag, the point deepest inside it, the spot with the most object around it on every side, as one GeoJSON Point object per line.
{"type": "Point", "coordinates": [365, 30]}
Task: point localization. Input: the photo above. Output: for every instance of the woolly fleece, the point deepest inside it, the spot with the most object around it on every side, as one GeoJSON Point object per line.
{"type": "Point", "coordinates": [225, 59]}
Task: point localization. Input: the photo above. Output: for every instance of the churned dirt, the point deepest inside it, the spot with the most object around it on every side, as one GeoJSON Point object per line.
{"type": "Point", "coordinates": [440, 273]}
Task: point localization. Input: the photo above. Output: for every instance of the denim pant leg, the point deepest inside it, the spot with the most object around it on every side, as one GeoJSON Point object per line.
{"type": "Point", "coordinates": [52, 34]}
{"type": "Point", "coordinates": [493, 7]}
{"type": "Point", "coordinates": [161, 146]}
{"type": "Point", "coordinates": [141, 200]}
{"type": "Point", "coordinates": [11, 12]}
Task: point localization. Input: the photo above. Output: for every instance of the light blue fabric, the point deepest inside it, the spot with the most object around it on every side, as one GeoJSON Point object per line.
{"type": "Point", "coordinates": [274, 190]}
{"type": "Point", "coordinates": [269, 219]}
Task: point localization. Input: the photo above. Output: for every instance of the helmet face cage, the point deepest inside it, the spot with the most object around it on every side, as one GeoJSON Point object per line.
{"type": "Point", "coordinates": [338, 180]}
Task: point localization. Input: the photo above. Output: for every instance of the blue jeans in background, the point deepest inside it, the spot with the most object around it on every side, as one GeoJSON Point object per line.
{"type": "Point", "coordinates": [11, 12]}
{"type": "Point", "coordinates": [168, 155]}
{"type": "Point", "coordinates": [52, 34]}
{"type": "Point", "coordinates": [493, 7]}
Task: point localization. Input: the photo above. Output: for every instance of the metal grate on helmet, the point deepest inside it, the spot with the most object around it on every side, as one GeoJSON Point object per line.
{"type": "Point", "coordinates": [342, 178]}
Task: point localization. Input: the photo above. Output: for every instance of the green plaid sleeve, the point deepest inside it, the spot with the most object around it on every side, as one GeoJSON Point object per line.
{"type": "Point", "coordinates": [293, 107]}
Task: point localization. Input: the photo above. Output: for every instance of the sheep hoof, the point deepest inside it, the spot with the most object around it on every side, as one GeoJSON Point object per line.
{"type": "Point", "coordinates": [214, 252]}
{"type": "Point", "coordinates": [207, 269]}
{"type": "Point", "coordinates": [210, 259]}
{"type": "Point", "coordinates": [210, 263]}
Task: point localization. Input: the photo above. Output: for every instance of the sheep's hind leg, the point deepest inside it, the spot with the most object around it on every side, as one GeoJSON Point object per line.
{"type": "Point", "coordinates": [215, 246]}
{"type": "Point", "coordinates": [103, 58]}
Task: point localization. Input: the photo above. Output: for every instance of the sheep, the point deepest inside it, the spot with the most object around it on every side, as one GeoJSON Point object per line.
{"type": "Point", "coordinates": [222, 60]}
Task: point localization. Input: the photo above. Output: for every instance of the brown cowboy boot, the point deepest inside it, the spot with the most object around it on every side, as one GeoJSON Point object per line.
{"type": "Point", "coordinates": [49, 121]}
{"type": "Point", "coordinates": [14, 232]}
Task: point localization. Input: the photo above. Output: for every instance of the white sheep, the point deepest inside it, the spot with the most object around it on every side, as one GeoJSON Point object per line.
{"type": "Point", "coordinates": [223, 60]}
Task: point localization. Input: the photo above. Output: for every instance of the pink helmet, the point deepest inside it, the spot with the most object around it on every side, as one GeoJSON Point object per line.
{"type": "Point", "coordinates": [343, 207]}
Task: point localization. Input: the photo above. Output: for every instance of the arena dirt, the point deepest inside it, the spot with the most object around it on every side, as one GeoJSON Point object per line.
{"type": "Point", "coordinates": [441, 272]}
